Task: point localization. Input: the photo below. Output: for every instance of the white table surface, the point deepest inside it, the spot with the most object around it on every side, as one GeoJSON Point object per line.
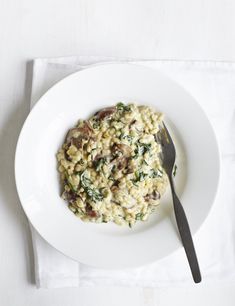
{"type": "Point", "coordinates": [163, 29]}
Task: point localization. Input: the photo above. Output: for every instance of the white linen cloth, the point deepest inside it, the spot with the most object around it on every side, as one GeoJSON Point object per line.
{"type": "Point", "coordinates": [213, 86]}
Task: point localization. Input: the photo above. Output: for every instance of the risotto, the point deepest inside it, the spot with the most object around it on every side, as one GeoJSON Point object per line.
{"type": "Point", "coordinates": [110, 165]}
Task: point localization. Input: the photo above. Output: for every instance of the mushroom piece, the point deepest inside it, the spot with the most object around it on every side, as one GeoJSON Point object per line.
{"type": "Point", "coordinates": [71, 133]}
{"type": "Point", "coordinates": [106, 112]}
{"type": "Point", "coordinates": [90, 212]}
{"type": "Point", "coordinates": [129, 169]}
{"type": "Point", "coordinates": [79, 141]}
{"type": "Point", "coordinates": [78, 135]}
{"type": "Point", "coordinates": [155, 195]}
{"type": "Point", "coordinates": [98, 157]}
{"type": "Point", "coordinates": [120, 147]}
{"type": "Point", "coordinates": [86, 129]}
{"type": "Point", "coordinates": [70, 196]}
{"type": "Point", "coordinates": [122, 162]}
{"type": "Point", "coordinates": [84, 132]}
{"type": "Point", "coordinates": [114, 187]}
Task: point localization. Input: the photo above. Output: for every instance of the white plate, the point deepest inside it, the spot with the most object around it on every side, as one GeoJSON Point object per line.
{"type": "Point", "coordinates": [79, 96]}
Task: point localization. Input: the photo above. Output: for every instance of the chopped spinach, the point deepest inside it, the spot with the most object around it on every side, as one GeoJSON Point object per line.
{"type": "Point", "coordinates": [95, 195]}
{"type": "Point", "coordinates": [175, 170]}
{"type": "Point", "coordinates": [122, 107]}
{"type": "Point", "coordinates": [111, 178]}
{"type": "Point", "coordinates": [113, 168]}
{"type": "Point", "coordinates": [144, 162]}
{"type": "Point", "coordinates": [96, 124]}
{"type": "Point", "coordinates": [100, 163]}
{"type": "Point", "coordinates": [145, 147]}
{"type": "Point", "coordinates": [156, 173]}
{"type": "Point", "coordinates": [92, 193]}
{"type": "Point", "coordinates": [129, 138]}
{"type": "Point", "coordinates": [139, 216]}
{"type": "Point", "coordinates": [71, 186]}
{"type": "Point", "coordinates": [85, 181]}
{"type": "Point", "coordinates": [69, 183]}
{"type": "Point", "coordinates": [139, 176]}
{"type": "Point", "coordinates": [134, 183]}
{"type": "Point", "coordinates": [141, 149]}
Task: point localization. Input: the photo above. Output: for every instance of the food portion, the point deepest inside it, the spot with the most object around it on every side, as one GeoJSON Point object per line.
{"type": "Point", "coordinates": [110, 165]}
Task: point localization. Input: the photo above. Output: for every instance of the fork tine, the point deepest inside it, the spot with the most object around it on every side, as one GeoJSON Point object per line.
{"type": "Point", "coordinates": [162, 135]}
{"type": "Point", "coordinates": [169, 139]}
{"type": "Point", "coordinates": [158, 136]}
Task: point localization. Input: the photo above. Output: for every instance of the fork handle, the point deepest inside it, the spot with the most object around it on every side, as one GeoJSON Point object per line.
{"type": "Point", "coordinates": [185, 234]}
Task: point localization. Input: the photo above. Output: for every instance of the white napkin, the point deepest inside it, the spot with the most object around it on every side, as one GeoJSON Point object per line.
{"type": "Point", "coordinates": [213, 85]}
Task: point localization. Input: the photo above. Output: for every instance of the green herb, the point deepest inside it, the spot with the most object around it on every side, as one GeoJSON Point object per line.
{"type": "Point", "coordinates": [145, 147]}
{"type": "Point", "coordinates": [92, 193]}
{"type": "Point", "coordinates": [95, 195]}
{"type": "Point", "coordinates": [79, 211]}
{"type": "Point", "coordinates": [156, 173]}
{"type": "Point", "coordinates": [139, 216]}
{"type": "Point", "coordinates": [85, 181]}
{"type": "Point", "coordinates": [68, 182]}
{"type": "Point", "coordinates": [71, 186]}
{"type": "Point", "coordinates": [100, 163]}
{"type": "Point", "coordinates": [175, 170]}
{"type": "Point", "coordinates": [134, 183]}
{"type": "Point", "coordinates": [129, 138]}
{"type": "Point", "coordinates": [130, 225]}
{"type": "Point", "coordinates": [121, 136]}
{"type": "Point", "coordinates": [139, 176]}
{"type": "Point", "coordinates": [141, 149]}
{"type": "Point", "coordinates": [122, 107]}
{"type": "Point", "coordinates": [96, 124]}
{"type": "Point", "coordinates": [144, 162]}
{"type": "Point", "coordinates": [142, 176]}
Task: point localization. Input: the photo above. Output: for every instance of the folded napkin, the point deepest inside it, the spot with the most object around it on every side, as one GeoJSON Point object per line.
{"type": "Point", "coordinates": [212, 84]}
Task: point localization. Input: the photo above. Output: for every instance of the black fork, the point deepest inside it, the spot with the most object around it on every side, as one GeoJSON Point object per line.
{"type": "Point", "coordinates": [168, 160]}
